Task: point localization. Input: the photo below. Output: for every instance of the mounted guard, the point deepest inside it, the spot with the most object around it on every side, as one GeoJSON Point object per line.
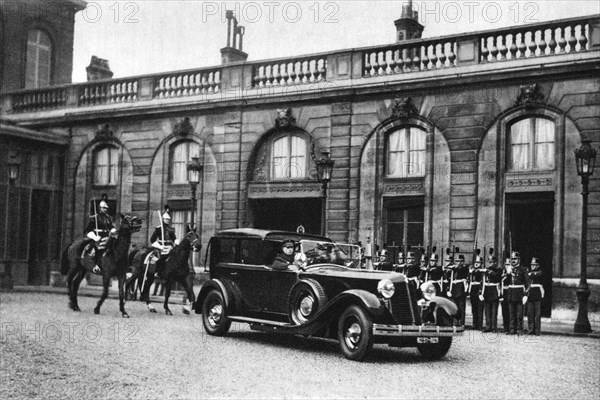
{"type": "Point", "coordinates": [100, 226]}
{"type": "Point", "coordinates": [162, 240]}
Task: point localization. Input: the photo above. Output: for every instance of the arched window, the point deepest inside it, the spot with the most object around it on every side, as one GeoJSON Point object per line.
{"type": "Point", "coordinates": [289, 157]}
{"type": "Point", "coordinates": [181, 154]}
{"type": "Point", "coordinates": [39, 59]}
{"type": "Point", "coordinates": [531, 145]}
{"type": "Point", "coordinates": [106, 166]}
{"type": "Point", "coordinates": [406, 153]}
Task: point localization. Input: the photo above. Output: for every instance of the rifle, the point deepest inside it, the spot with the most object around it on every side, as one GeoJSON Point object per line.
{"type": "Point", "coordinates": [95, 216]}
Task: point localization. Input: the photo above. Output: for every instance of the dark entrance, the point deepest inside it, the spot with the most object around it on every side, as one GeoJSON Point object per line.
{"type": "Point", "coordinates": [287, 214]}
{"type": "Point", "coordinates": [39, 237]}
{"type": "Point", "coordinates": [530, 227]}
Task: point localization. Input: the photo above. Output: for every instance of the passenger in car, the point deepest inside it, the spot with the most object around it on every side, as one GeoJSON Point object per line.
{"type": "Point", "coordinates": [285, 258]}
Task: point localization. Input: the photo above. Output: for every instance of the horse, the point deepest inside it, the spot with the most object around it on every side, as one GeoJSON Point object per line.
{"type": "Point", "coordinates": [113, 263]}
{"type": "Point", "coordinates": [176, 270]}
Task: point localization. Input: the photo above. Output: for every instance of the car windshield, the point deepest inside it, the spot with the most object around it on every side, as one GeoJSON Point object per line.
{"type": "Point", "coordinates": [347, 255]}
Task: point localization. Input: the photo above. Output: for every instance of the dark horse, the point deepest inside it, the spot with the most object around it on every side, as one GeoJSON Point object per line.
{"type": "Point", "coordinates": [176, 270]}
{"type": "Point", "coordinates": [114, 263]}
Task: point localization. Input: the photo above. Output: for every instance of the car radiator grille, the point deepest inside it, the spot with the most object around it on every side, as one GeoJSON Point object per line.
{"type": "Point", "coordinates": [404, 305]}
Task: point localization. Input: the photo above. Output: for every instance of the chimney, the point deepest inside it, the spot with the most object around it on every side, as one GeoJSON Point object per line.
{"type": "Point", "coordinates": [98, 69]}
{"type": "Point", "coordinates": [235, 36]}
{"type": "Point", "coordinates": [408, 26]}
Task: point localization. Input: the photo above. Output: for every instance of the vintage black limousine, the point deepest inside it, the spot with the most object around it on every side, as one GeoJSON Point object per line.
{"type": "Point", "coordinates": [326, 294]}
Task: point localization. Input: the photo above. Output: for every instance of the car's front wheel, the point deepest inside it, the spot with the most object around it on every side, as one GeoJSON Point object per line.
{"type": "Point", "coordinates": [435, 351]}
{"type": "Point", "coordinates": [355, 333]}
{"type": "Point", "coordinates": [214, 316]}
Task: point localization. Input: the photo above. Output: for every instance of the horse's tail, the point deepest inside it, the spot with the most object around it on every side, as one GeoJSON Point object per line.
{"type": "Point", "coordinates": [64, 261]}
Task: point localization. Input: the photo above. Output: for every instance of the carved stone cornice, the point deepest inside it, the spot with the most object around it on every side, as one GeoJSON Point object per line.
{"type": "Point", "coordinates": [283, 190]}
{"type": "Point", "coordinates": [402, 188]}
{"type": "Point", "coordinates": [183, 127]}
{"type": "Point", "coordinates": [284, 118]}
{"type": "Point", "coordinates": [404, 108]}
{"type": "Point", "coordinates": [528, 181]}
{"type": "Point", "coordinates": [530, 96]}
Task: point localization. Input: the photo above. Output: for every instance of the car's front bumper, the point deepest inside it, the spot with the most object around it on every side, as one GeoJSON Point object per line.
{"type": "Point", "coordinates": [417, 330]}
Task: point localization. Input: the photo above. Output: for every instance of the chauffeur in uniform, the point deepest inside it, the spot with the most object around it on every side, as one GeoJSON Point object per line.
{"type": "Point", "coordinates": [534, 299]}
{"type": "Point", "coordinates": [98, 228]}
{"type": "Point", "coordinates": [163, 239]}
{"type": "Point", "coordinates": [517, 293]}
{"type": "Point", "coordinates": [384, 264]}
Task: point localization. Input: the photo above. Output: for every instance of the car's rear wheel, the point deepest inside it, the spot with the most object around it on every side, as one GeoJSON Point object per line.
{"type": "Point", "coordinates": [355, 333]}
{"type": "Point", "coordinates": [214, 315]}
{"type": "Point", "coordinates": [307, 297]}
{"type": "Point", "coordinates": [435, 351]}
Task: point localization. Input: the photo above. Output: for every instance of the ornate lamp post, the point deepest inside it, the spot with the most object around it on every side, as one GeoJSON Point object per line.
{"type": "Point", "coordinates": [194, 169]}
{"type": "Point", "coordinates": [324, 170]}
{"type": "Point", "coordinates": [14, 165]}
{"type": "Point", "coordinates": [585, 157]}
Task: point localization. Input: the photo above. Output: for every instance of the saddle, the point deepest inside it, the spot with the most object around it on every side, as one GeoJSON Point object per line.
{"type": "Point", "coordinates": [89, 255]}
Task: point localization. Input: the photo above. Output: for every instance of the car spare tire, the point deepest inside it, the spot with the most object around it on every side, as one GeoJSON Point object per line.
{"type": "Point", "coordinates": [306, 298]}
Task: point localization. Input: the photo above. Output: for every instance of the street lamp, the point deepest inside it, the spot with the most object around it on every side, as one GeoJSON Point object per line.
{"type": "Point", "coordinates": [14, 165]}
{"type": "Point", "coordinates": [324, 170]}
{"type": "Point", "coordinates": [585, 157]}
{"type": "Point", "coordinates": [194, 169]}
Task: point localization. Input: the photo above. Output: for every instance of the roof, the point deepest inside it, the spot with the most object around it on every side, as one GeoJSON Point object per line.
{"type": "Point", "coordinates": [270, 234]}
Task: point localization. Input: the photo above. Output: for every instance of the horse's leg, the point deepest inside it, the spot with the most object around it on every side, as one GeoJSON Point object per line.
{"type": "Point", "coordinates": [105, 283]}
{"type": "Point", "coordinates": [74, 278]}
{"type": "Point", "coordinates": [146, 292]}
{"type": "Point", "coordinates": [187, 308]}
{"type": "Point", "coordinates": [168, 284]}
{"type": "Point", "coordinates": [122, 296]}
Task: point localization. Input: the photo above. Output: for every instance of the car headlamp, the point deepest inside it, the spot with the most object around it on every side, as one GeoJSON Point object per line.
{"type": "Point", "coordinates": [386, 288]}
{"type": "Point", "coordinates": [428, 289]}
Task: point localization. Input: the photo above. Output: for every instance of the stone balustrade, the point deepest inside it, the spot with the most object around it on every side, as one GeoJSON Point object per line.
{"type": "Point", "coordinates": [556, 38]}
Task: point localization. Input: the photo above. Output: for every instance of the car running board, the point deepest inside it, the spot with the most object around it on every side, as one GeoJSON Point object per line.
{"type": "Point", "coordinates": [264, 322]}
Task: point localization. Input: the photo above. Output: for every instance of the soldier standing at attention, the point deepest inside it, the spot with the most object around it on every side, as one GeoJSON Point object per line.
{"type": "Point", "coordinates": [475, 282]}
{"type": "Point", "coordinates": [447, 273]}
{"type": "Point", "coordinates": [163, 239]}
{"type": "Point", "coordinates": [536, 294]}
{"type": "Point", "coordinates": [517, 293]}
{"type": "Point", "coordinates": [98, 228]}
{"type": "Point", "coordinates": [459, 285]}
{"type": "Point", "coordinates": [491, 293]}
{"type": "Point", "coordinates": [505, 283]}
{"type": "Point", "coordinates": [412, 270]}
{"type": "Point", "coordinates": [434, 273]}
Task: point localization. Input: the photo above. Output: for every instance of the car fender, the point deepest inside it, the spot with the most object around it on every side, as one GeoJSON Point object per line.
{"type": "Point", "coordinates": [208, 286]}
{"type": "Point", "coordinates": [336, 306]}
{"type": "Point", "coordinates": [446, 304]}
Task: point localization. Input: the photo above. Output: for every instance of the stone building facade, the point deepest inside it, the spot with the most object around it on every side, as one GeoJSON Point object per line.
{"type": "Point", "coordinates": [456, 141]}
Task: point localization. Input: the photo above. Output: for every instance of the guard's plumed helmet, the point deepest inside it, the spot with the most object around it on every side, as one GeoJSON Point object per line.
{"type": "Point", "coordinates": [535, 263]}
{"type": "Point", "coordinates": [103, 201]}
{"type": "Point", "coordinates": [448, 256]}
{"type": "Point", "coordinates": [383, 253]}
{"type": "Point", "coordinates": [459, 257]}
{"type": "Point", "coordinates": [478, 258]}
{"type": "Point", "coordinates": [434, 256]}
{"type": "Point", "coordinates": [491, 258]}
{"type": "Point", "coordinates": [410, 254]}
{"type": "Point", "coordinates": [166, 216]}
{"type": "Point", "coordinates": [515, 254]}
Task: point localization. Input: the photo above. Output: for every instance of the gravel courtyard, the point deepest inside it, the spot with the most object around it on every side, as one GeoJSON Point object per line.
{"type": "Point", "coordinates": [49, 352]}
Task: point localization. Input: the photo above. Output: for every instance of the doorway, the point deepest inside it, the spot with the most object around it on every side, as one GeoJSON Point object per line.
{"type": "Point", "coordinates": [287, 214]}
{"type": "Point", "coordinates": [530, 231]}
{"type": "Point", "coordinates": [39, 237]}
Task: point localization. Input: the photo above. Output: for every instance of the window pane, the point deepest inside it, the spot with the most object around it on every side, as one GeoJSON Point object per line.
{"type": "Point", "coordinates": [227, 249]}
{"type": "Point", "coordinates": [395, 234]}
{"type": "Point", "coordinates": [397, 153]}
{"type": "Point", "coordinates": [416, 166]}
{"type": "Point", "coordinates": [182, 154]}
{"type": "Point", "coordinates": [520, 138]}
{"type": "Point", "coordinates": [416, 214]}
{"type": "Point", "coordinates": [544, 130]}
{"type": "Point", "coordinates": [414, 234]}
{"type": "Point", "coordinates": [39, 59]}
{"type": "Point", "coordinates": [298, 158]}
{"type": "Point", "coordinates": [544, 156]}
{"type": "Point", "coordinates": [280, 158]}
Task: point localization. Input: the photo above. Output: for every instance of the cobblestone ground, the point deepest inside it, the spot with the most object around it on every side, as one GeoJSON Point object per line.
{"type": "Point", "coordinates": [48, 351]}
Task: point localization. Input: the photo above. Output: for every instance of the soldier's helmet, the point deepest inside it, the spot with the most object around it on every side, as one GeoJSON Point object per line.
{"type": "Point", "coordinates": [434, 257]}
{"type": "Point", "coordinates": [459, 257]}
{"type": "Point", "coordinates": [166, 216]}
{"type": "Point", "coordinates": [103, 202]}
{"type": "Point", "coordinates": [410, 256]}
{"type": "Point", "coordinates": [491, 258]}
{"type": "Point", "coordinates": [448, 258]}
{"type": "Point", "coordinates": [478, 259]}
{"type": "Point", "coordinates": [515, 254]}
{"type": "Point", "coordinates": [383, 253]}
{"type": "Point", "coordinates": [535, 264]}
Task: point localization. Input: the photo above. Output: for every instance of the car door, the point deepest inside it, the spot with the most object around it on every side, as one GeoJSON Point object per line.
{"type": "Point", "coordinates": [280, 284]}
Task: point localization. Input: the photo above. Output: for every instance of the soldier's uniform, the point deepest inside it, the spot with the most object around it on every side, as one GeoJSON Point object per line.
{"type": "Point", "coordinates": [433, 273]}
{"type": "Point", "coordinates": [163, 239]}
{"type": "Point", "coordinates": [517, 293]}
{"type": "Point", "coordinates": [98, 229]}
{"type": "Point", "coordinates": [447, 273]}
{"type": "Point", "coordinates": [534, 299]}
{"type": "Point", "coordinates": [475, 285]}
{"type": "Point", "coordinates": [458, 285]}
{"type": "Point", "coordinates": [504, 284]}
{"type": "Point", "coordinates": [412, 270]}
{"type": "Point", "coordinates": [491, 292]}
